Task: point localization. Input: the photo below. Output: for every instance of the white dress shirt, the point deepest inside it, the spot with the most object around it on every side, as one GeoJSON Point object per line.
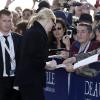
{"type": "Point", "coordinates": [10, 51]}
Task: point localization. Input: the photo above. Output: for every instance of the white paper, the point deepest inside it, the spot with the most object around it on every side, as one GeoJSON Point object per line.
{"type": "Point", "coordinates": [60, 66]}
{"type": "Point", "coordinates": [55, 56]}
{"type": "Point", "coordinates": [16, 88]}
{"type": "Point", "coordinates": [86, 61]}
{"type": "Point", "coordinates": [54, 66]}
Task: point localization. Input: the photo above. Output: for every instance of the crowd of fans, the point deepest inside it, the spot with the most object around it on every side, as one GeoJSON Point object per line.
{"type": "Point", "coordinates": [74, 36]}
{"type": "Point", "coordinates": [74, 30]}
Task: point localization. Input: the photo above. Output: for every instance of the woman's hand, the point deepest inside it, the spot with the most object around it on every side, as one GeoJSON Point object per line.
{"type": "Point", "coordinates": [64, 54]}
{"type": "Point", "coordinates": [69, 68]}
{"type": "Point", "coordinates": [51, 65]}
{"type": "Point", "coordinates": [66, 41]}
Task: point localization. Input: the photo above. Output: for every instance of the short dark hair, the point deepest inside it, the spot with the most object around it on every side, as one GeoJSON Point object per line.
{"type": "Point", "coordinates": [43, 4]}
{"type": "Point", "coordinates": [85, 18]}
{"type": "Point", "coordinates": [89, 27]}
{"type": "Point", "coordinates": [5, 12]}
{"type": "Point", "coordinates": [26, 9]}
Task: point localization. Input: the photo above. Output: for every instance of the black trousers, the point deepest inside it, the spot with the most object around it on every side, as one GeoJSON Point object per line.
{"type": "Point", "coordinates": [6, 89]}
{"type": "Point", "coordinates": [32, 92]}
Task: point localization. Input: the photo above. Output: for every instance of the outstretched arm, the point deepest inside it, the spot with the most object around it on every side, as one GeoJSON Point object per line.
{"type": "Point", "coordinates": [8, 3]}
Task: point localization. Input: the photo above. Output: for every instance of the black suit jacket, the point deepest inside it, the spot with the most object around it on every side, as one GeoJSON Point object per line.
{"type": "Point", "coordinates": [16, 40]}
{"type": "Point", "coordinates": [34, 53]}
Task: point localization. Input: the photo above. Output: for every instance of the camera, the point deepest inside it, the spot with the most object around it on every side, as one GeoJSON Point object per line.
{"type": "Point", "coordinates": [71, 31]}
{"type": "Point", "coordinates": [97, 16]}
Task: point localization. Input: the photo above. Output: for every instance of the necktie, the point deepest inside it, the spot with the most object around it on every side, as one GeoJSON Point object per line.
{"type": "Point", "coordinates": [7, 58]}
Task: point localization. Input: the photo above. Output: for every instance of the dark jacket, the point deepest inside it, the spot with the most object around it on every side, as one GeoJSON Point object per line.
{"type": "Point", "coordinates": [75, 47]}
{"type": "Point", "coordinates": [89, 70]}
{"type": "Point", "coordinates": [34, 53]}
{"type": "Point", "coordinates": [17, 40]}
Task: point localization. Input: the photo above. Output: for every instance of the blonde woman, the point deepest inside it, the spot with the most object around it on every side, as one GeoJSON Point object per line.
{"type": "Point", "coordinates": [34, 52]}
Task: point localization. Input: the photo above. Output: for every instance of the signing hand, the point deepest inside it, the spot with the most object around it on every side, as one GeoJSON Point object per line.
{"type": "Point", "coordinates": [69, 68]}
{"type": "Point", "coordinates": [51, 65]}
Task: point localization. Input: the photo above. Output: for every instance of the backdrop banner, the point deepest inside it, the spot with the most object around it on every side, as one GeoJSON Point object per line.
{"type": "Point", "coordinates": [56, 85]}
{"type": "Point", "coordinates": [82, 88]}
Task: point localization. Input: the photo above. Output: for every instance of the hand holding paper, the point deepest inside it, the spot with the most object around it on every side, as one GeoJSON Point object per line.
{"type": "Point", "coordinates": [86, 61]}
{"type": "Point", "coordinates": [69, 68]}
{"type": "Point", "coordinates": [51, 65]}
{"type": "Point", "coordinates": [69, 60]}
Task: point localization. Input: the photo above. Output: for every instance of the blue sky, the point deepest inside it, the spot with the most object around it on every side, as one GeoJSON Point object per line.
{"type": "Point", "coordinates": [26, 3]}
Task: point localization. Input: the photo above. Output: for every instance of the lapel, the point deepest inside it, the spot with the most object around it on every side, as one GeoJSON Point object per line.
{"type": "Point", "coordinates": [14, 41]}
{"type": "Point", "coordinates": [0, 51]}
{"type": "Point", "coordinates": [1, 61]}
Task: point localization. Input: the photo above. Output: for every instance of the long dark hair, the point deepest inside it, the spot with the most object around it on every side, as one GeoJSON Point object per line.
{"type": "Point", "coordinates": [51, 38]}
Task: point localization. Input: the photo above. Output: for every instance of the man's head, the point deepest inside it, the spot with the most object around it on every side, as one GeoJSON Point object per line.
{"type": "Point", "coordinates": [84, 32]}
{"type": "Point", "coordinates": [5, 21]}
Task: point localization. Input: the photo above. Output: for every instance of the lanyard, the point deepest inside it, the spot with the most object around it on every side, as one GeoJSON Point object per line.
{"type": "Point", "coordinates": [4, 62]}
{"type": "Point", "coordinates": [86, 48]}
{"type": "Point", "coordinates": [11, 54]}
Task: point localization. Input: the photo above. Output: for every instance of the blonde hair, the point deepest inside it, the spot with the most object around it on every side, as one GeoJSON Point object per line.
{"type": "Point", "coordinates": [43, 14]}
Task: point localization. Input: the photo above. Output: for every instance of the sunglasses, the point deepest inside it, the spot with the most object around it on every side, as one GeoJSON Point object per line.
{"type": "Point", "coordinates": [54, 29]}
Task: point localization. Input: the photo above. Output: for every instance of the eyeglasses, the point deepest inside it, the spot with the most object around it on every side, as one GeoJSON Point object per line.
{"type": "Point", "coordinates": [82, 31]}
{"type": "Point", "coordinates": [58, 28]}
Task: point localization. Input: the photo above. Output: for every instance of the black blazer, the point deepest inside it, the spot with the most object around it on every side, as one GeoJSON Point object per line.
{"type": "Point", "coordinates": [34, 53]}
{"type": "Point", "coordinates": [17, 41]}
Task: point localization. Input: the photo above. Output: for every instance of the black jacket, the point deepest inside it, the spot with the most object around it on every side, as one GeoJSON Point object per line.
{"type": "Point", "coordinates": [34, 53]}
{"type": "Point", "coordinates": [17, 40]}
